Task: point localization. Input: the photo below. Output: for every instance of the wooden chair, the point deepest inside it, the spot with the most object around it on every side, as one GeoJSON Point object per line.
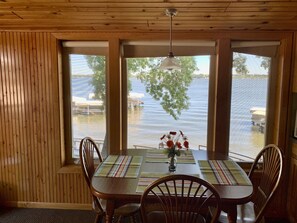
{"type": "Point", "coordinates": [87, 152]}
{"type": "Point", "coordinates": [179, 198]}
{"type": "Point", "coordinates": [265, 174]}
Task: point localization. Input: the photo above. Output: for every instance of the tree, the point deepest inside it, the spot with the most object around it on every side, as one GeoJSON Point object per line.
{"type": "Point", "coordinates": [239, 61]}
{"type": "Point", "coordinates": [170, 88]}
{"type": "Point", "coordinates": [97, 64]}
{"type": "Point", "coordinates": [265, 63]}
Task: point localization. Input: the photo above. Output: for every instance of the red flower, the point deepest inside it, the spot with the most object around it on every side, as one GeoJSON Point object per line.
{"type": "Point", "coordinates": [186, 144]}
{"type": "Point", "coordinates": [169, 143]}
{"type": "Point", "coordinates": [174, 143]}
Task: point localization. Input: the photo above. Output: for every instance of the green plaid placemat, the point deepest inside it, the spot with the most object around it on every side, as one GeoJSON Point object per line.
{"type": "Point", "coordinates": [121, 159]}
{"type": "Point", "coordinates": [146, 178]}
{"type": "Point", "coordinates": [224, 172]}
{"type": "Point", "coordinates": [120, 166]}
{"type": "Point", "coordinates": [159, 156]}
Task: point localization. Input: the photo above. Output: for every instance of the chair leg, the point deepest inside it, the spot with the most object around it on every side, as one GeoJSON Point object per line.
{"type": "Point", "coordinates": [98, 219]}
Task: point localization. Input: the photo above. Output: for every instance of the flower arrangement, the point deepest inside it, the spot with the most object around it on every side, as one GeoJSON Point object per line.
{"type": "Point", "coordinates": [174, 143]}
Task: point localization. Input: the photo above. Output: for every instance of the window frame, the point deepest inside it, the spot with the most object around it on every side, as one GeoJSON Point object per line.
{"type": "Point", "coordinates": [76, 47]}
{"type": "Point", "coordinates": [266, 49]}
{"type": "Point", "coordinates": [157, 48]}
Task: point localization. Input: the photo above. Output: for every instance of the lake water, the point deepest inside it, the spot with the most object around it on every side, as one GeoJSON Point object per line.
{"type": "Point", "coordinates": [149, 122]}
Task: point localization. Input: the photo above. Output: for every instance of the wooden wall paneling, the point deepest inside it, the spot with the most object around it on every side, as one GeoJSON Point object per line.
{"type": "Point", "coordinates": [43, 122]}
{"type": "Point", "coordinates": [10, 133]}
{"type": "Point", "coordinates": [280, 117]}
{"type": "Point", "coordinates": [50, 78]}
{"type": "Point", "coordinates": [46, 133]}
{"type": "Point", "coordinates": [18, 112]}
{"type": "Point", "coordinates": [3, 114]}
{"type": "Point", "coordinates": [23, 168]}
{"type": "Point", "coordinates": [55, 111]}
{"type": "Point", "coordinates": [25, 117]}
{"type": "Point", "coordinates": [30, 124]}
{"type": "Point", "coordinates": [33, 119]}
{"type": "Point", "coordinates": [5, 85]}
{"type": "Point", "coordinates": [27, 144]}
{"type": "Point", "coordinates": [292, 195]}
{"type": "Point", "coordinates": [294, 63]}
{"type": "Point", "coordinates": [18, 106]}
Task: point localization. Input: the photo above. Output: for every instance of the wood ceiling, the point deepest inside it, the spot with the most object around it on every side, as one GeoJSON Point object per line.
{"type": "Point", "coordinates": [139, 15]}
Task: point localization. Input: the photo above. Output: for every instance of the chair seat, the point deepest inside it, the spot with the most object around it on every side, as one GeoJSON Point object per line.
{"type": "Point", "coordinates": [124, 210]}
{"type": "Point", "coordinates": [127, 210]}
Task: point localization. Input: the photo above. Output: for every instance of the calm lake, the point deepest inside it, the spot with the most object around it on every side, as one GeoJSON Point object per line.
{"type": "Point", "coordinates": [149, 122]}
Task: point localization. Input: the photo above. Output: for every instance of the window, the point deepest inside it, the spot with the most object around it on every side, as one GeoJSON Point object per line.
{"type": "Point", "coordinates": [160, 101]}
{"type": "Point", "coordinates": [250, 80]}
{"type": "Point", "coordinates": [84, 65]}
{"type": "Point", "coordinates": [143, 115]}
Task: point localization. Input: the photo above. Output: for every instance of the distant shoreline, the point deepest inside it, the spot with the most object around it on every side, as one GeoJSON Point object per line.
{"type": "Point", "coordinates": [204, 76]}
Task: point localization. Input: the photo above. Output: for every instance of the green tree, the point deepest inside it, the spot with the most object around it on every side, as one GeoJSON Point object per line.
{"type": "Point", "coordinates": [239, 61]}
{"type": "Point", "coordinates": [265, 63]}
{"type": "Point", "coordinates": [97, 65]}
{"type": "Point", "coordinates": [170, 88]}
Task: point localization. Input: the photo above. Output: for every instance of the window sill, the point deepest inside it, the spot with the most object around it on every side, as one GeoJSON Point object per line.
{"type": "Point", "coordinates": [71, 168]}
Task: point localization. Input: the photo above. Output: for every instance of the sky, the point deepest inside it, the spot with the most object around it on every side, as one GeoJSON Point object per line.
{"type": "Point", "coordinates": [79, 65]}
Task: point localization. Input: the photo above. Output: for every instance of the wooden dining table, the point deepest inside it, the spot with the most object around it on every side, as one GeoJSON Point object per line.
{"type": "Point", "coordinates": [126, 185]}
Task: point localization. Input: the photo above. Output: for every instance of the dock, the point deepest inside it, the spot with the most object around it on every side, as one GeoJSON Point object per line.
{"type": "Point", "coordinates": [258, 117]}
{"type": "Point", "coordinates": [84, 106]}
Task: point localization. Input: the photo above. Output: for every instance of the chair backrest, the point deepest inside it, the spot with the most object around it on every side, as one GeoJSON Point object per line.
{"type": "Point", "coordinates": [180, 198]}
{"type": "Point", "coordinates": [87, 150]}
{"type": "Point", "coordinates": [267, 167]}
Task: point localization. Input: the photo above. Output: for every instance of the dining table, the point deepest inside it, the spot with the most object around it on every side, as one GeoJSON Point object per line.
{"type": "Point", "coordinates": [121, 179]}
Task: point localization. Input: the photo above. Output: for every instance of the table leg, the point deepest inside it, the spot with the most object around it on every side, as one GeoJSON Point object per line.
{"type": "Point", "coordinates": [110, 204]}
{"type": "Point", "coordinates": [232, 214]}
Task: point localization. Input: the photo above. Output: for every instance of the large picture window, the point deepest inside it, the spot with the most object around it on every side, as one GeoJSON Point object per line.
{"type": "Point", "coordinates": [153, 102]}
{"type": "Point", "coordinates": [161, 101]}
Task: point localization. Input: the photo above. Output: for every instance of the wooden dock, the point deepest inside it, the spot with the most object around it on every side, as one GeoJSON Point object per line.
{"type": "Point", "coordinates": [258, 117]}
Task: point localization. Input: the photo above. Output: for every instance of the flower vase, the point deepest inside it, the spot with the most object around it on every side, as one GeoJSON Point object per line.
{"type": "Point", "coordinates": [172, 163]}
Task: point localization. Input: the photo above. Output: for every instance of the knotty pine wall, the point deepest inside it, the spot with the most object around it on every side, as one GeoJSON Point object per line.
{"type": "Point", "coordinates": [30, 144]}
